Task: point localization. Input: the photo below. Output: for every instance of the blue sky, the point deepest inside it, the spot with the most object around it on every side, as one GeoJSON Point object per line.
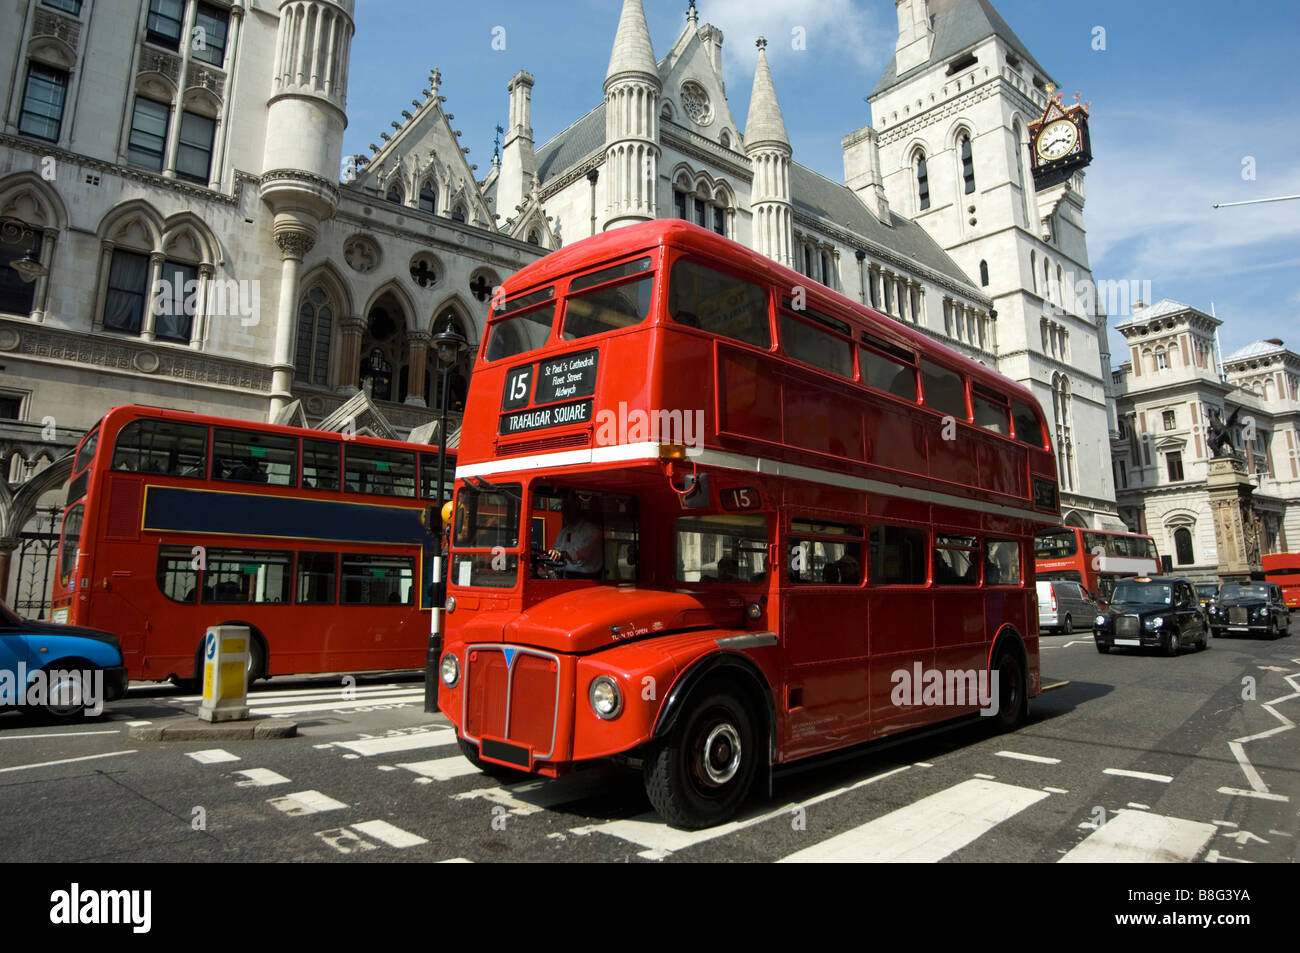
{"type": "Point", "coordinates": [1183, 94]}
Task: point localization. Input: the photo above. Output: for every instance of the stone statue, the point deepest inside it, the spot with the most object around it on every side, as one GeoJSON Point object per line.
{"type": "Point", "coordinates": [1218, 434]}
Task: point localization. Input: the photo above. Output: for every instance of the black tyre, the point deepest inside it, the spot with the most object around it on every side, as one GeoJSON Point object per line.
{"type": "Point", "coordinates": [498, 771]}
{"type": "Point", "coordinates": [1172, 644]}
{"type": "Point", "coordinates": [1103, 648]}
{"type": "Point", "coordinates": [700, 774]}
{"type": "Point", "coordinates": [1068, 628]}
{"type": "Point", "coordinates": [65, 700]}
{"type": "Point", "coordinates": [256, 660]}
{"type": "Point", "coordinates": [1013, 689]}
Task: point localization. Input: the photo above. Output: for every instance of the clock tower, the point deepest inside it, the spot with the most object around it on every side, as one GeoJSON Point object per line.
{"type": "Point", "coordinates": [976, 149]}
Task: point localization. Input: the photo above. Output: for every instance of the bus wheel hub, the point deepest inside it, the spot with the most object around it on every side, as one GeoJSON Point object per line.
{"type": "Point", "coordinates": [721, 754]}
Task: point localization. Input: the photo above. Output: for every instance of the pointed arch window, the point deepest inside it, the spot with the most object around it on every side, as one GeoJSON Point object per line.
{"type": "Point", "coordinates": [967, 166]}
{"type": "Point", "coordinates": [984, 274]}
{"type": "Point", "coordinates": [533, 237]}
{"type": "Point", "coordinates": [922, 182]}
{"type": "Point", "coordinates": [459, 214]}
{"type": "Point", "coordinates": [315, 323]}
{"type": "Point", "coordinates": [1183, 549]}
{"type": "Point", "coordinates": [395, 194]}
{"type": "Point", "coordinates": [429, 197]}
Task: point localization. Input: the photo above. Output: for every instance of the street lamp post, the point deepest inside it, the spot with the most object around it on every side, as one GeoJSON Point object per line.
{"type": "Point", "coordinates": [449, 344]}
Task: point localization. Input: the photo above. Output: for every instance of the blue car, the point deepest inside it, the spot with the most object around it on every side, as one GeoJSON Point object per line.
{"type": "Point", "coordinates": [59, 671]}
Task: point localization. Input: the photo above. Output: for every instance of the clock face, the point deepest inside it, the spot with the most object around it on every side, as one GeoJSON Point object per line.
{"type": "Point", "coordinates": [1057, 140]}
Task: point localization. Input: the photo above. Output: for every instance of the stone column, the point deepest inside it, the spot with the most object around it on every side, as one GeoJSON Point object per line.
{"type": "Point", "coordinates": [418, 342]}
{"type": "Point", "coordinates": [295, 243]}
{"type": "Point", "coordinates": [1236, 534]}
{"type": "Point", "coordinates": [40, 294]}
{"type": "Point", "coordinates": [155, 276]}
{"type": "Point", "coordinates": [351, 331]}
{"type": "Point", "coordinates": [7, 547]}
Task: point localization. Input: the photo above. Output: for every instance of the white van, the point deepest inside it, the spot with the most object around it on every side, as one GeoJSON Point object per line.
{"type": "Point", "coordinates": [1064, 606]}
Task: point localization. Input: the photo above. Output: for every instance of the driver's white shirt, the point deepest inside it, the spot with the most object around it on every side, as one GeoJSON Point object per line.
{"type": "Point", "coordinates": [582, 542]}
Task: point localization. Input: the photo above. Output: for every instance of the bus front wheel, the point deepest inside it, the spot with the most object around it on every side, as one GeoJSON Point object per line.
{"type": "Point", "coordinates": [700, 774]}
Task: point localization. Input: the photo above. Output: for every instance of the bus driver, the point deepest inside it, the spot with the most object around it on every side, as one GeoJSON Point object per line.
{"type": "Point", "coordinates": [580, 544]}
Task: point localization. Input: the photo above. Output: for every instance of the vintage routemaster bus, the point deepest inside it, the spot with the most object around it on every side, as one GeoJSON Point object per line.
{"type": "Point", "coordinates": [1284, 569]}
{"type": "Point", "coordinates": [1096, 559]}
{"type": "Point", "coordinates": [776, 506]}
{"type": "Point", "coordinates": [175, 522]}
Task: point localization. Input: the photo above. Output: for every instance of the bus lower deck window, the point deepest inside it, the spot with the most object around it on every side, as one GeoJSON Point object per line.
{"type": "Point", "coordinates": [722, 549]}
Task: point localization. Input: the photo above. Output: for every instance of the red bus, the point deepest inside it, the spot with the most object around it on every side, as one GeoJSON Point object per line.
{"type": "Point", "coordinates": [175, 522]}
{"type": "Point", "coordinates": [1284, 570]}
{"type": "Point", "coordinates": [775, 508]}
{"type": "Point", "coordinates": [1096, 559]}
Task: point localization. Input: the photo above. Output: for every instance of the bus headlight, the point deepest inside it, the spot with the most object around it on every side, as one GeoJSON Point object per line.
{"type": "Point", "coordinates": [450, 670]}
{"type": "Point", "coordinates": [606, 700]}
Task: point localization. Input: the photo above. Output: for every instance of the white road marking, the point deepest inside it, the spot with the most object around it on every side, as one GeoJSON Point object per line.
{"type": "Point", "coordinates": [390, 835]}
{"type": "Point", "coordinates": [928, 830]}
{"type": "Point", "coordinates": [61, 734]}
{"type": "Point", "coordinates": [386, 767]}
{"type": "Point", "coordinates": [1139, 807]}
{"type": "Point", "coordinates": [922, 764]}
{"type": "Point", "coordinates": [323, 691]}
{"type": "Point", "coordinates": [46, 764]}
{"type": "Point", "coordinates": [280, 710]}
{"type": "Point", "coordinates": [1057, 790]}
{"type": "Point", "coordinates": [138, 724]}
{"type": "Point", "coordinates": [1139, 837]}
{"type": "Point", "coordinates": [987, 777]}
{"type": "Point", "coordinates": [1035, 758]}
{"type": "Point", "coordinates": [1258, 789]}
{"type": "Point", "coordinates": [456, 860]}
{"type": "Point", "coordinates": [1214, 857]}
{"type": "Point", "coordinates": [344, 841]}
{"type": "Point", "coordinates": [441, 769]}
{"type": "Point", "coordinates": [305, 802]}
{"type": "Point", "coordinates": [407, 742]}
{"type": "Point", "coordinates": [260, 778]}
{"type": "Point", "coordinates": [649, 830]}
{"type": "Point", "coordinates": [1225, 823]}
{"type": "Point", "coordinates": [1140, 775]}
{"type": "Point", "coordinates": [212, 756]}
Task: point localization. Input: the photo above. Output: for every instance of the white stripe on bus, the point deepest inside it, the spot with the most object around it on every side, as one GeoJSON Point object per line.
{"type": "Point", "coordinates": [734, 461]}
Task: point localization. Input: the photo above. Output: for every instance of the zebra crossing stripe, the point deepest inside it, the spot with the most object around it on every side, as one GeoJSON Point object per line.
{"type": "Point", "coordinates": [651, 832]}
{"type": "Point", "coordinates": [1141, 837]}
{"type": "Point", "coordinates": [212, 756]}
{"type": "Point", "coordinates": [441, 769]}
{"type": "Point", "coordinates": [402, 699]}
{"type": "Point", "coordinates": [305, 802]}
{"type": "Point", "coordinates": [423, 739]}
{"type": "Point", "coordinates": [260, 778]}
{"type": "Point", "coordinates": [928, 830]}
{"type": "Point", "coordinates": [390, 835]}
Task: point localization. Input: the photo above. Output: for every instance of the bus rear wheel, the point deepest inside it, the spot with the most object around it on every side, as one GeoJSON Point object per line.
{"type": "Point", "coordinates": [1012, 688]}
{"type": "Point", "coordinates": [700, 774]}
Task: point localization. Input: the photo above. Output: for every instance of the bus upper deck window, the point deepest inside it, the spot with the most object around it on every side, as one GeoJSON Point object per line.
{"type": "Point", "coordinates": [610, 307]}
{"type": "Point", "coordinates": [700, 297]}
{"type": "Point", "coordinates": [526, 331]}
{"type": "Point", "coordinates": [1028, 429]}
{"type": "Point", "coordinates": [943, 390]}
{"type": "Point", "coordinates": [162, 447]}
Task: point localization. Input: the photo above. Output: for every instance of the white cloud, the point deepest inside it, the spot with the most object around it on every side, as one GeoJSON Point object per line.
{"type": "Point", "coordinates": [836, 28]}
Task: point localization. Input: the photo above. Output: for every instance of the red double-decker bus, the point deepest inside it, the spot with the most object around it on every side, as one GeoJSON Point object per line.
{"type": "Point", "coordinates": [712, 519]}
{"type": "Point", "coordinates": [1096, 559]}
{"type": "Point", "coordinates": [1284, 569]}
{"type": "Point", "coordinates": [176, 521]}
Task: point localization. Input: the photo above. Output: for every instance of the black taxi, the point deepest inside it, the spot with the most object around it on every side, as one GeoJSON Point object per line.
{"type": "Point", "coordinates": [1147, 612]}
{"type": "Point", "coordinates": [1250, 608]}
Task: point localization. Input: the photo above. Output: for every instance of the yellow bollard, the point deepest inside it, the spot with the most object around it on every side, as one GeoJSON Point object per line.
{"type": "Point", "coordinates": [225, 679]}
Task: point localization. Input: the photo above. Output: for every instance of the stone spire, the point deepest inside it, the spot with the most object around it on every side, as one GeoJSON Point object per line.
{"type": "Point", "coordinates": [632, 91]}
{"type": "Point", "coordinates": [768, 148]}
{"type": "Point", "coordinates": [764, 124]}
{"type": "Point", "coordinates": [633, 52]}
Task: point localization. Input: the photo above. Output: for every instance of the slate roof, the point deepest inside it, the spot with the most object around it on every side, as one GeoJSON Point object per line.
{"type": "Point", "coordinates": [569, 146]}
{"type": "Point", "coordinates": [1158, 310]}
{"type": "Point", "coordinates": [1258, 349]}
{"type": "Point", "coordinates": [958, 27]}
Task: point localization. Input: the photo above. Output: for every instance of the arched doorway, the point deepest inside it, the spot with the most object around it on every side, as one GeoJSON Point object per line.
{"type": "Point", "coordinates": [384, 350]}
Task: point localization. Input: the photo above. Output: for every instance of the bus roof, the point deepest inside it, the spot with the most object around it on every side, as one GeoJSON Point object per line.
{"type": "Point", "coordinates": [690, 237]}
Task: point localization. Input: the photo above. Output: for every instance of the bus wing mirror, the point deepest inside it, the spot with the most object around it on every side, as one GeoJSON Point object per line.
{"type": "Point", "coordinates": [695, 491]}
